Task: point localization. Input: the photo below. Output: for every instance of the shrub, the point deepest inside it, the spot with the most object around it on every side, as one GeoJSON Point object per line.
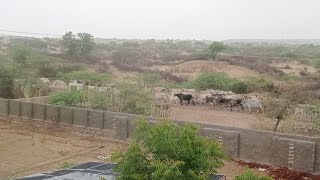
{"type": "Point", "coordinates": [167, 151]}
{"type": "Point", "coordinates": [89, 76]}
{"type": "Point", "coordinates": [31, 87]}
{"type": "Point", "coordinates": [67, 98]}
{"type": "Point", "coordinates": [126, 98]}
{"type": "Point", "coordinates": [46, 71]}
{"type": "Point", "coordinates": [7, 75]}
{"type": "Point", "coordinates": [150, 78]}
{"type": "Point", "coordinates": [20, 55]}
{"type": "Point", "coordinates": [303, 73]}
{"type": "Point", "coordinates": [217, 80]}
{"type": "Point", "coordinates": [249, 175]}
{"type": "Point", "coordinates": [259, 84]}
{"type": "Point", "coordinates": [287, 67]}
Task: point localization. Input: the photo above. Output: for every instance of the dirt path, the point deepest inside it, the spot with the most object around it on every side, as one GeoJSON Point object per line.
{"type": "Point", "coordinates": [207, 114]}
{"type": "Point", "coordinates": [25, 150]}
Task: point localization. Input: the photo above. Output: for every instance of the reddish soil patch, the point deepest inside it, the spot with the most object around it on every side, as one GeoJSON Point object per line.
{"type": "Point", "coordinates": [280, 173]}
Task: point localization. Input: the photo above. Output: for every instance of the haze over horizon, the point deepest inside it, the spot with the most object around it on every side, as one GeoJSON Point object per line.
{"type": "Point", "coordinates": [143, 19]}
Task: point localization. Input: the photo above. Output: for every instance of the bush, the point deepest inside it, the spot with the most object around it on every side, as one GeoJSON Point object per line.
{"type": "Point", "coordinates": [20, 55]}
{"type": "Point", "coordinates": [249, 175]}
{"type": "Point", "coordinates": [46, 71]}
{"type": "Point", "coordinates": [217, 80]}
{"type": "Point", "coordinates": [89, 76]}
{"type": "Point", "coordinates": [166, 151]}
{"type": "Point", "coordinates": [67, 98]}
{"type": "Point", "coordinates": [31, 87]}
{"type": "Point", "coordinates": [287, 67]}
{"type": "Point", "coordinates": [259, 84]}
{"type": "Point", "coordinates": [150, 78]}
{"type": "Point", "coordinates": [7, 76]}
{"type": "Point", "coordinates": [126, 98]}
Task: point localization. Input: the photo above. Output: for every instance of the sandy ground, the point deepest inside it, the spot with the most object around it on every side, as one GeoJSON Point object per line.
{"type": "Point", "coordinates": [206, 114]}
{"type": "Point", "coordinates": [25, 150]}
{"type": "Point", "coordinates": [192, 69]}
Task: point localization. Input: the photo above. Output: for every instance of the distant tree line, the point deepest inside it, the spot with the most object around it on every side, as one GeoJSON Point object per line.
{"type": "Point", "coordinates": [79, 44]}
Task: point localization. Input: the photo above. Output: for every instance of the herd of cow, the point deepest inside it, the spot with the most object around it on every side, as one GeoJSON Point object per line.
{"type": "Point", "coordinates": [227, 100]}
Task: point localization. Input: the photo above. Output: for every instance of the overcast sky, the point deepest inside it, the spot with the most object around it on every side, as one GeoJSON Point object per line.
{"type": "Point", "coordinates": [162, 19]}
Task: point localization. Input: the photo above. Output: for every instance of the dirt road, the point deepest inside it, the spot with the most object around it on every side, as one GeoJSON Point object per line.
{"type": "Point", "coordinates": [206, 114]}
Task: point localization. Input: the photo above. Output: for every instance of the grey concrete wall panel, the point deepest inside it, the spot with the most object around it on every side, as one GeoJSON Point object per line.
{"type": "Point", "coordinates": [26, 110]}
{"type": "Point", "coordinates": [4, 106]}
{"type": "Point", "coordinates": [120, 127]}
{"type": "Point", "coordinates": [131, 123]}
{"type": "Point", "coordinates": [108, 119]}
{"type": "Point", "coordinates": [131, 127]}
{"type": "Point", "coordinates": [65, 114]}
{"type": "Point", "coordinates": [80, 117]}
{"type": "Point", "coordinates": [52, 113]}
{"type": "Point", "coordinates": [228, 139]}
{"type": "Point", "coordinates": [38, 111]}
{"type": "Point", "coordinates": [95, 119]}
{"type": "Point", "coordinates": [255, 146]}
{"type": "Point", "coordinates": [14, 108]}
{"type": "Point", "coordinates": [293, 153]}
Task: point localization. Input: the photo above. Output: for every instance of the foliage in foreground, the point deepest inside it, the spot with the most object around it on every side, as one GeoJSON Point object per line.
{"type": "Point", "coordinates": [249, 175]}
{"type": "Point", "coordinates": [166, 151]}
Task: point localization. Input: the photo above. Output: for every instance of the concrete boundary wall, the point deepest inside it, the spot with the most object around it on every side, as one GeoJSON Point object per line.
{"type": "Point", "coordinates": [293, 151]}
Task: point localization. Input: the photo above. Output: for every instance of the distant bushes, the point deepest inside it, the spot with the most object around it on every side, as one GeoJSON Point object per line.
{"type": "Point", "coordinates": [52, 71]}
{"type": "Point", "coordinates": [7, 76]}
{"type": "Point", "coordinates": [259, 84]}
{"type": "Point", "coordinates": [126, 98]}
{"type": "Point", "coordinates": [31, 87]}
{"type": "Point", "coordinates": [253, 64]}
{"type": "Point", "coordinates": [217, 80]}
{"type": "Point", "coordinates": [88, 76]}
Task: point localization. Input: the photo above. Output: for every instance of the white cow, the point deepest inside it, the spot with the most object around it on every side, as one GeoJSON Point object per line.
{"type": "Point", "coordinates": [252, 103]}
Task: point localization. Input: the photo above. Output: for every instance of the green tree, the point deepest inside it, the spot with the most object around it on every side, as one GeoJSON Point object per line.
{"type": "Point", "coordinates": [7, 75]}
{"type": "Point", "coordinates": [20, 55]}
{"type": "Point", "coordinates": [86, 43]}
{"type": "Point", "coordinates": [70, 43]}
{"type": "Point", "coordinates": [165, 151]}
{"type": "Point", "coordinates": [215, 48]}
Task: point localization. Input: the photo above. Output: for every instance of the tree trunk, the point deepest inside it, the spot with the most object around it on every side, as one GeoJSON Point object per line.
{"type": "Point", "coordinates": [276, 125]}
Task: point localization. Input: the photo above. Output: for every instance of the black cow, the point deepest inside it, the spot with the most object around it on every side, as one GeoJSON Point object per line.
{"type": "Point", "coordinates": [184, 97]}
{"type": "Point", "coordinates": [216, 100]}
{"type": "Point", "coordinates": [233, 102]}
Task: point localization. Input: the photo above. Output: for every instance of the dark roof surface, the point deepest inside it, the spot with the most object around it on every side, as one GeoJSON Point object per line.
{"type": "Point", "coordinates": [86, 171]}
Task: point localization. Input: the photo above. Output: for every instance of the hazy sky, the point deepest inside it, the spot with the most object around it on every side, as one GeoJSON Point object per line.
{"type": "Point", "coordinates": [162, 19]}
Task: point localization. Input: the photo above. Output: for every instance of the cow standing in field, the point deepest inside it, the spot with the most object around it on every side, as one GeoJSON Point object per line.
{"type": "Point", "coordinates": [252, 103]}
{"type": "Point", "coordinates": [216, 100]}
{"type": "Point", "coordinates": [184, 97]}
{"type": "Point", "coordinates": [232, 103]}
